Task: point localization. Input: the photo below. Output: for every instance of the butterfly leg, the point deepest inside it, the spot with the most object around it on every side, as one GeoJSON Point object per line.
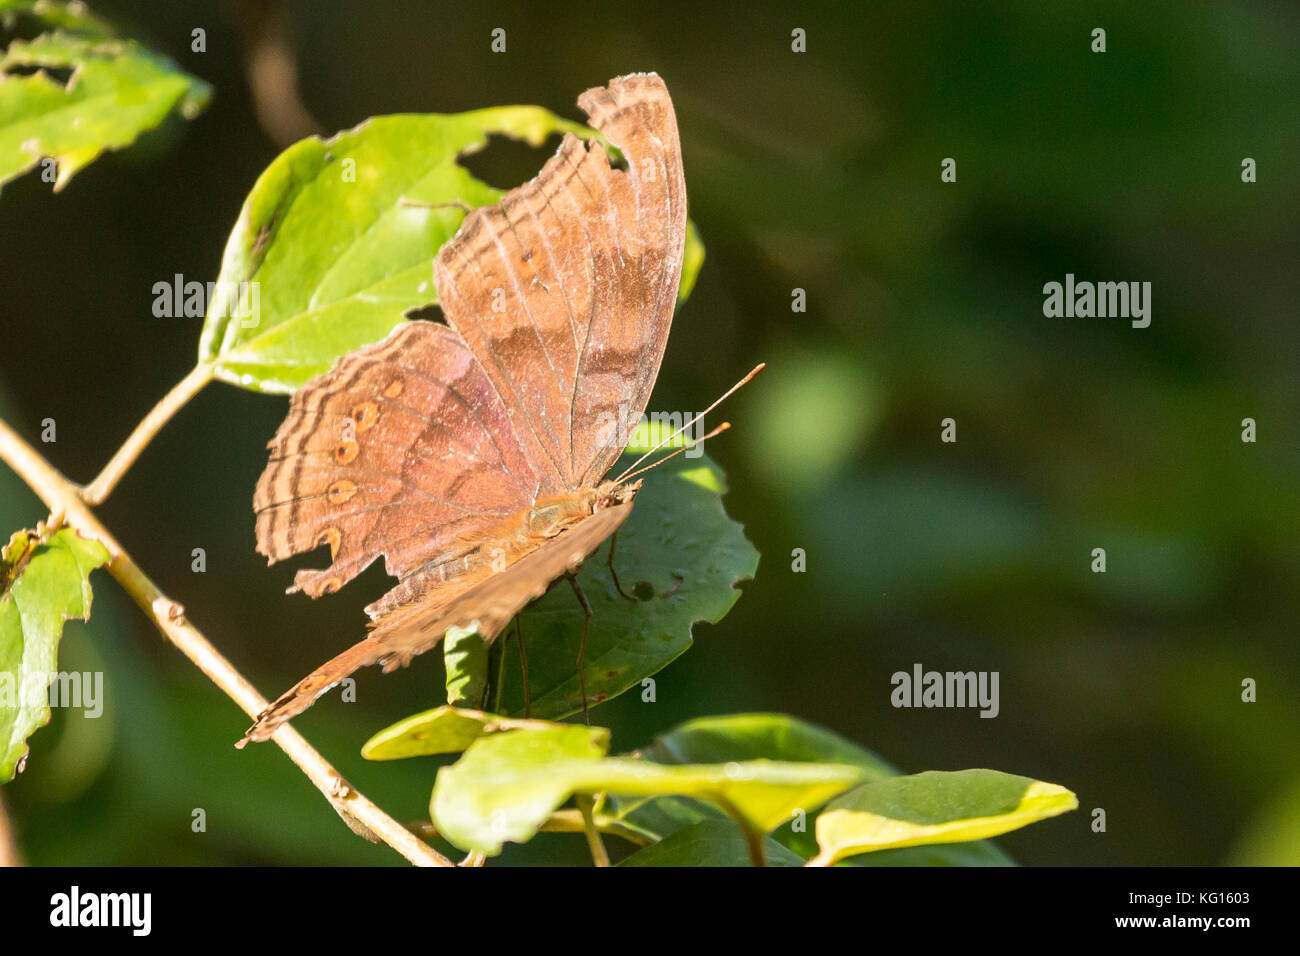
{"type": "Point", "coordinates": [523, 665]}
{"type": "Point", "coordinates": [613, 543]}
{"type": "Point", "coordinates": [582, 645]}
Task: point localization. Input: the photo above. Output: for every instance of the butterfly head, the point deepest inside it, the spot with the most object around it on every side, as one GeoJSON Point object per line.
{"type": "Point", "coordinates": [609, 493]}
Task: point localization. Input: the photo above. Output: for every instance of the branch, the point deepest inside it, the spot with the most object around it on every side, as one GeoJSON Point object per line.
{"type": "Point", "coordinates": [9, 855]}
{"type": "Point", "coordinates": [99, 489]}
{"type": "Point", "coordinates": [64, 498]}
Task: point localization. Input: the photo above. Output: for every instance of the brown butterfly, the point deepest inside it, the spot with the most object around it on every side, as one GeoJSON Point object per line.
{"type": "Point", "coordinates": [471, 455]}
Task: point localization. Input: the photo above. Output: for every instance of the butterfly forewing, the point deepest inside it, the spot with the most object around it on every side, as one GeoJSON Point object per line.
{"type": "Point", "coordinates": [565, 289]}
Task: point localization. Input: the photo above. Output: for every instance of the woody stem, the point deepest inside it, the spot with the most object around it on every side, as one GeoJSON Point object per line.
{"type": "Point", "coordinates": [63, 497]}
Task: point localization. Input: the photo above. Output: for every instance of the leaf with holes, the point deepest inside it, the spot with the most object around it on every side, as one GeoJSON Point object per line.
{"type": "Point", "coordinates": [680, 557]}
{"type": "Point", "coordinates": [115, 91]}
{"type": "Point", "coordinates": [335, 244]}
{"type": "Point", "coordinates": [42, 584]}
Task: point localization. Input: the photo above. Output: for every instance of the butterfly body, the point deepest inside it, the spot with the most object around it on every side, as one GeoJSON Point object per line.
{"type": "Point", "coordinates": [470, 456]}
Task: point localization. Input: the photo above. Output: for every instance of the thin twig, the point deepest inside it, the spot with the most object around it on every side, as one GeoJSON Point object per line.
{"type": "Point", "coordinates": [9, 853]}
{"type": "Point", "coordinates": [104, 483]}
{"type": "Point", "coordinates": [63, 497]}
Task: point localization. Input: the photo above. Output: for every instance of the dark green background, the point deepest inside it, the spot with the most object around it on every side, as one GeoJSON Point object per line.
{"type": "Point", "coordinates": [818, 171]}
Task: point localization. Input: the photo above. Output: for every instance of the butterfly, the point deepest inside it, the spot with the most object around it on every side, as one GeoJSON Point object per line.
{"type": "Point", "coordinates": [472, 455]}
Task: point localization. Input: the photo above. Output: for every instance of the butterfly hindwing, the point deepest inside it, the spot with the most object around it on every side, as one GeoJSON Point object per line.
{"type": "Point", "coordinates": [488, 606]}
{"type": "Point", "coordinates": [402, 449]}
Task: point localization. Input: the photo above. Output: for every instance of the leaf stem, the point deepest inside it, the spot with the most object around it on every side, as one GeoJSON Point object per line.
{"type": "Point", "coordinates": [586, 805]}
{"type": "Point", "coordinates": [561, 821]}
{"type": "Point", "coordinates": [755, 840]}
{"type": "Point", "coordinates": [63, 497]}
{"type": "Point", "coordinates": [98, 490]}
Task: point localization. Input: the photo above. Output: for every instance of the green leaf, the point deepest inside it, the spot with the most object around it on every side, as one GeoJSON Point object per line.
{"type": "Point", "coordinates": [976, 853]}
{"type": "Point", "coordinates": [340, 235]}
{"type": "Point", "coordinates": [443, 730]}
{"type": "Point", "coordinates": [73, 17]}
{"type": "Point", "coordinates": [335, 244]}
{"type": "Point", "coordinates": [465, 656]}
{"type": "Point", "coordinates": [709, 843]}
{"type": "Point", "coordinates": [742, 737]}
{"type": "Point", "coordinates": [678, 553]}
{"type": "Point", "coordinates": [506, 785]}
{"type": "Point", "coordinates": [117, 90]}
{"type": "Point", "coordinates": [934, 807]}
{"type": "Point", "coordinates": [779, 737]}
{"type": "Point", "coordinates": [762, 736]}
{"type": "Point", "coordinates": [692, 263]}
{"type": "Point", "coordinates": [45, 583]}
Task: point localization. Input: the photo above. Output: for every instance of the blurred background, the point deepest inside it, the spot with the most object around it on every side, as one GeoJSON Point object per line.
{"type": "Point", "coordinates": [818, 171]}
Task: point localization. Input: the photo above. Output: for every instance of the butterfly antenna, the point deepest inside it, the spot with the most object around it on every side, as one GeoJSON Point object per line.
{"type": "Point", "coordinates": [655, 464]}
{"type": "Point", "coordinates": [722, 398]}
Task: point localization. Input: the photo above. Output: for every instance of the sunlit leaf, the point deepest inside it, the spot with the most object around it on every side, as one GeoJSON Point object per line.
{"type": "Point", "coordinates": [506, 785]}
{"type": "Point", "coordinates": [116, 91]}
{"type": "Point", "coordinates": [336, 242]}
{"type": "Point", "coordinates": [779, 737]}
{"type": "Point", "coordinates": [442, 730]}
{"type": "Point", "coordinates": [465, 655]}
{"type": "Point", "coordinates": [934, 807]}
{"type": "Point", "coordinates": [762, 736]}
{"type": "Point", "coordinates": [42, 584]}
{"type": "Point", "coordinates": [692, 263]}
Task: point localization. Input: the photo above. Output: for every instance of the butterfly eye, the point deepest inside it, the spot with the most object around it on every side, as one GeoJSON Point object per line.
{"type": "Point", "coordinates": [365, 415]}
{"type": "Point", "coordinates": [346, 451]}
{"type": "Point", "coordinates": [341, 491]}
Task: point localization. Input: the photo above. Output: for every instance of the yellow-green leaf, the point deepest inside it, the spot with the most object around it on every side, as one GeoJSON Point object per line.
{"type": "Point", "coordinates": [934, 807]}
{"type": "Point", "coordinates": [442, 730]}
{"type": "Point", "coordinates": [506, 785]}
